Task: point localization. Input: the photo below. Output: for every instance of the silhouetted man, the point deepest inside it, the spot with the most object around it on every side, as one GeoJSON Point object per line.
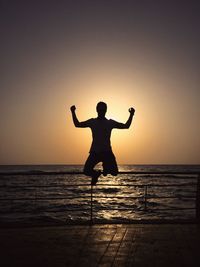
{"type": "Point", "coordinates": [101, 150]}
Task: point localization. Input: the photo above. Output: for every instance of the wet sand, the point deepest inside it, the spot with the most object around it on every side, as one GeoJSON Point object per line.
{"type": "Point", "coordinates": [101, 245]}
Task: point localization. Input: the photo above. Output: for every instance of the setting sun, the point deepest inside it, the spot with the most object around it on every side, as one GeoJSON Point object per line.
{"type": "Point", "coordinates": [123, 65]}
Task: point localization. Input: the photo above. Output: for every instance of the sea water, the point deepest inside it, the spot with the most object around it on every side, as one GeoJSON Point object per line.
{"type": "Point", "coordinates": [35, 196]}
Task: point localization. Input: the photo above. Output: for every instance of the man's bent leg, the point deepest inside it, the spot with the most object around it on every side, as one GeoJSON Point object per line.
{"type": "Point", "coordinates": [109, 164]}
{"type": "Point", "coordinates": [88, 170]}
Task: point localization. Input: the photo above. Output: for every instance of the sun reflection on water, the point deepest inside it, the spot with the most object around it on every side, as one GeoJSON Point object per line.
{"type": "Point", "coordinates": [112, 198]}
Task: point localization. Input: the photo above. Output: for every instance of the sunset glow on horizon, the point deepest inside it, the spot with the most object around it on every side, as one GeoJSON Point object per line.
{"type": "Point", "coordinates": [79, 54]}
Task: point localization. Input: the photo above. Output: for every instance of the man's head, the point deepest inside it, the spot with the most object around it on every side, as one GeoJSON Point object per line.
{"type": "Point", "coordinates": [101, 109]}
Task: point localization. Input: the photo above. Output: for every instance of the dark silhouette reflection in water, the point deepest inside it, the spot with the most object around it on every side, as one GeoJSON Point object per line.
{"type": "Point", "coordinates": [101, 150]}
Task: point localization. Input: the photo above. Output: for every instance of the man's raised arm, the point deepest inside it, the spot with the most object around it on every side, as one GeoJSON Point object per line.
{"type": "Point", "coordinates": [76, 122]}
{"type": "Point", "coordinates": [129, 121]}
{"type": "Point", "coordinates": [126, 125]}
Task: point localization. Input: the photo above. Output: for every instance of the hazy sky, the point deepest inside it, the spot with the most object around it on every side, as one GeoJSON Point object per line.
{"type": "Point", "coordinates": [58, 53]}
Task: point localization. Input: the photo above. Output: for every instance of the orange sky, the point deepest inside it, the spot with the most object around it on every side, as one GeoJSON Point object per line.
{"type": "Point", "coordinates": [54, 64]}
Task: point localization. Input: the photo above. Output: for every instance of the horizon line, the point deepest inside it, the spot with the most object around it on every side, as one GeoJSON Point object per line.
{"type": "Point", "coordinates": [68, 164]}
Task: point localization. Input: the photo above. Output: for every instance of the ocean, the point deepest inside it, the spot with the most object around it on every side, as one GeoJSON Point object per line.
{"type": "Point", "coordinates": [30, 194]}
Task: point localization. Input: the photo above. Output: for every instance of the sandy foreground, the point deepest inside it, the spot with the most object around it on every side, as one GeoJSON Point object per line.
{"type": "Point", "coordinates": [101, 245]}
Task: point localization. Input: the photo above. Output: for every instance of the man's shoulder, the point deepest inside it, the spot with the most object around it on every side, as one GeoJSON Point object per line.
{"type": "Point", "coordinates": [92, 120]}
{"type": "Point", "coordinates": [111, 121]}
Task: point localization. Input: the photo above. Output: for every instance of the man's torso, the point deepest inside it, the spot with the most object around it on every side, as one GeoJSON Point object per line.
{"type": "Point", "coordinates": [101, 132]}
